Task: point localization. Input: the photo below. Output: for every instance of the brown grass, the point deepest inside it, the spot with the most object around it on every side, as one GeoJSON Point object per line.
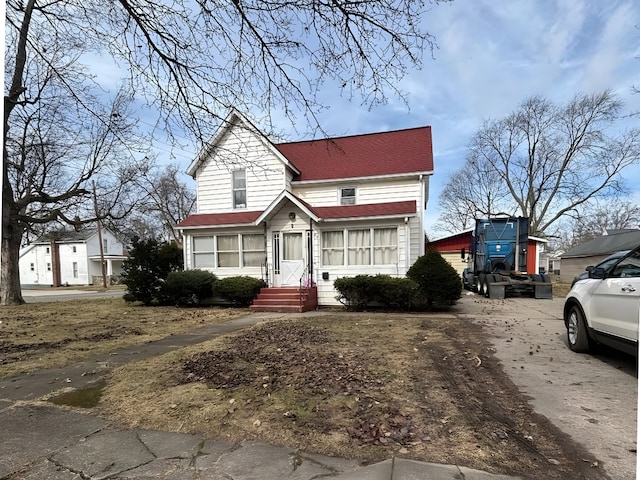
{"type": "Point", "coordinates": [47, 335]}
{"type": "Point", "coordinates": [364, 387]}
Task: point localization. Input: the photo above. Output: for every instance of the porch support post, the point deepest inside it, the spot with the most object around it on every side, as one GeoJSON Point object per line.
{"type": "Point", "coordinates": [310, 248]}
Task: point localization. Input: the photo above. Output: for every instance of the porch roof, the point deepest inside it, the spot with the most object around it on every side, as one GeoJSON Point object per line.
{"type": "Point", "coordinates": [345, 212]}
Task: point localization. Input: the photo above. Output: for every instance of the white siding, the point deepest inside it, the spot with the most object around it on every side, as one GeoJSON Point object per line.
{"type": "Point", "coordinates": [326, 292]}
{"type": "Point", "coordinates": [114, 246]}
{"type": "Point", "coordinates": [380, 191]}
{"type": "Point", "coordinates": [39, 258]}
{"type": "Point", "coordinates": [68, 257]}
{"type": "Point", "coordinates": [240, 149]}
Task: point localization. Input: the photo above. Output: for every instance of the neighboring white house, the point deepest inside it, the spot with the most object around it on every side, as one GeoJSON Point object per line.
{"type": "Point", "coordinates": [308, 212]}
{"type": "Point", "coordinates": [70, 258]}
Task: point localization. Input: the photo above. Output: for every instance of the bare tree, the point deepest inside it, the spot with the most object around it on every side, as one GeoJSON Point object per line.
{"type": "Point", "coordinates": [596, 219]}
{"type": "Point", "coordinates": [474, 191]}
{"type": "Point", "coordinates": [193, 60]}
{"type": "Point", "coordinates": [552, 159]}
{"type": "Point", "coordinates": [163, 200]}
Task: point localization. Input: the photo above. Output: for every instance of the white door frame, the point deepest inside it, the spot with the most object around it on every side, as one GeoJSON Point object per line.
{"type": "Point", "coordinates": [288, 271]}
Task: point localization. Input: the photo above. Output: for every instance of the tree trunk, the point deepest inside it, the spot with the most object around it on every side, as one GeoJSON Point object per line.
{"type": "Point", "coordinates": [10, 291]}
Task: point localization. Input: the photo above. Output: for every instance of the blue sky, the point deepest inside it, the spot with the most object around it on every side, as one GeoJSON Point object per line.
{"type": "Point", "coordinates": [492, 56]}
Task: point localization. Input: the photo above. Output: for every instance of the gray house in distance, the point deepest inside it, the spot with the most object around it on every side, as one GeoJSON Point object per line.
{"type": "Point", "coordinates": [577, 259]}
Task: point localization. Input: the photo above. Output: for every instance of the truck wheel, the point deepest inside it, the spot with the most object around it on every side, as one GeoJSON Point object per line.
{"type": "Point", "coordinates": [480, 284]}
{"type": "Point", "coordinates": [488, 279]}
{"type": "Point", "coordinates": [577, 334]}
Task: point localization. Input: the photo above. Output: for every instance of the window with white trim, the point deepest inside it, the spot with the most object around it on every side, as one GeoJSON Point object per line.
{"type": "Point", "coordinates": [228, 254]}
{"type": "Point", "coordinates": [348, 196]}
{"type": "Point", "coordinates": [239, 186]}
{"type": "Point", "coordinates": [363, 246]}
{"type": "Point", "coordinates": [252, 250]}
{"type": "Point", "coordinates": [75, 269]}
{"type": "Point", "coordinates": [203, 252]}
{"type": "Point", "coordinates": [359, 247]}
{"type": "Point", "coordinates": [385, 246]}
{"type": "Point", "coordinates": [333, 248]}
{"type": "Point", "coordinates": [223, 251]}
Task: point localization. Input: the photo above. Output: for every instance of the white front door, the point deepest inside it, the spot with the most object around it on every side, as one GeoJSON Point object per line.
{"type": "Point", "coordinates": [292, 263]}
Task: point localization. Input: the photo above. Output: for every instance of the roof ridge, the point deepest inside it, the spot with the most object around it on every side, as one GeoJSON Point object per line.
{"type": "Point", "coordinates": [353, 135]}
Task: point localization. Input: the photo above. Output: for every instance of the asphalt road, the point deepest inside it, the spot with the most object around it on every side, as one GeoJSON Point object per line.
{"type": "Point", "coordinates": [58, 295]}
{"type": "Point", "coordinates": [591, 397]}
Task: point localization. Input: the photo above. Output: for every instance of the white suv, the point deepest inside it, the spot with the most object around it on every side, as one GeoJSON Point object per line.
{"type": "Point", "coordinates": [605, 308]}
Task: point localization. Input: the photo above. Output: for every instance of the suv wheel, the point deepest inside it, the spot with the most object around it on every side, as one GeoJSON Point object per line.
{"type": "Point", "coordinates": [577, 334]}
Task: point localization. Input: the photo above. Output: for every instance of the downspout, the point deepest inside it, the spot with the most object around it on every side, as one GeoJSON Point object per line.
{"type": "Point", "coordinates": [422, 210]}
{"type": "Point", "coordinates": [407, 244]}
{"type": "Point", "coordinates": [310, 248]}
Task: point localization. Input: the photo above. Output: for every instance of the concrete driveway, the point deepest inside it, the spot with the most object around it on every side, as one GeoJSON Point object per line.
{"type": "Point", "coordinates": [592, 398]}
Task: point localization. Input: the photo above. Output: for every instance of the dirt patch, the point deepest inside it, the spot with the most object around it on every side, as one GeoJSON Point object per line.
{"type": "Point", "coordinates": [45, 335]}
{"type": "Point", "coordinates": [425, 388]}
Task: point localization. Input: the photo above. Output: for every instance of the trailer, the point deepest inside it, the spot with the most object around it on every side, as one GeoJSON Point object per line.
{"type": "Point", "coordinates": [497, 261]}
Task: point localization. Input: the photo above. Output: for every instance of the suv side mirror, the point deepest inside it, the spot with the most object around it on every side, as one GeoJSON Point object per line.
{"type": "Point", "coordinates": [596, 272]}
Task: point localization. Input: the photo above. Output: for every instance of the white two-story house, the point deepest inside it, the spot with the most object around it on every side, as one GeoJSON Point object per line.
{"type": "Point", "coordinates": [70, 257]}
{"type": "Point", "coordinates": [305, 213]}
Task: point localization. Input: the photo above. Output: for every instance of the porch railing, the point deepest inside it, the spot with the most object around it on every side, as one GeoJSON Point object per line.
{"type": "Point", "coordinates": [306, 283]}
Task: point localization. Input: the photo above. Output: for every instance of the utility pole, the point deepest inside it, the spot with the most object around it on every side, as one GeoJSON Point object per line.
{"type": "Point", "coordinates": [102, 264]}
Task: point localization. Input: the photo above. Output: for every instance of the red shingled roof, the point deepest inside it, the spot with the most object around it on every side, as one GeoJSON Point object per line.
{"type": "Point", "coordinates": [323, 213]}
{"type": "Point", "coordinates": [368, 210]}
{"type": "Point", "coordinates": [375, 154]}
{"type": "Point", "coordinates": [218, 219]}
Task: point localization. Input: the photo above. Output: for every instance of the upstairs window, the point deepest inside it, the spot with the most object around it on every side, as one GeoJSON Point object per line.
{"type": "Point", "coordinates": [239, 181]}
{"type": "Point", "coordinates": [348, 196]}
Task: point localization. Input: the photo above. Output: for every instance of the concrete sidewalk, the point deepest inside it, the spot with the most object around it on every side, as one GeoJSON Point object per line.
{"type": "Point", "coordinates": [39, 441]}
{"type": "Point", "coordinates": [43, 442]}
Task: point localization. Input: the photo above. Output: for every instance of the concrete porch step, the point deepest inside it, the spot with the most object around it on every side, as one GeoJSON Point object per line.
{"type": "Point", "coordinates": [285, 299]}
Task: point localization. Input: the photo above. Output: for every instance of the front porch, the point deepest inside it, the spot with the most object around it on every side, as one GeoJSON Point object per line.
{"type": "Point", "coordinates": [286, 299]}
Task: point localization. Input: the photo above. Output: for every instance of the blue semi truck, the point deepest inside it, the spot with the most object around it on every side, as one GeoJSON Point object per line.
{"type": "Point", "coordinates": [497, 260]}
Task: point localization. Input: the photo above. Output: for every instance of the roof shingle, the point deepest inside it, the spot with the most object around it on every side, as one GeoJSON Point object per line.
{"type": "Point", "coordinates": [369, 155]}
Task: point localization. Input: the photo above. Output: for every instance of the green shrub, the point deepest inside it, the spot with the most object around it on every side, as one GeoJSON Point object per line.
{"type": "Point", "coordinates": [363, 291]}
{"type": "Point", "coordinates": [438, 283]}
{"type": "Point", "coordinates": [398, 293]}
{"type": "Point", "coordinates": [189, 287]}
{"type": "Point", "coordinates": [240, 291]}
{"type": "Point", "coordinates": [147, 267]}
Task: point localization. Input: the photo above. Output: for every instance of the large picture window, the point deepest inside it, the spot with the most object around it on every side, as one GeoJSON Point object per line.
{"type": "Point", "coordinates": [364, 246]}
